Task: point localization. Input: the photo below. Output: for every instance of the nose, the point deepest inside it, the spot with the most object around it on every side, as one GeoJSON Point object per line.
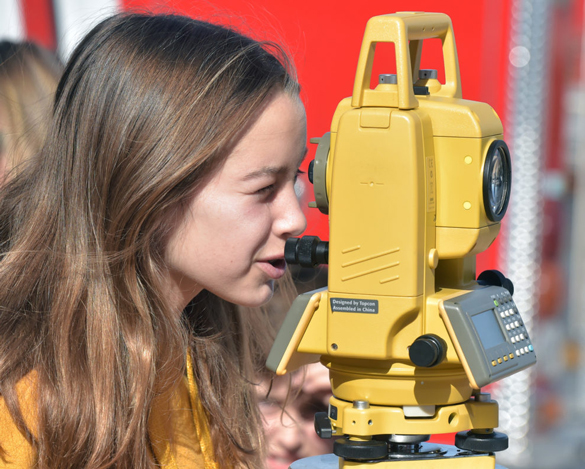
{"type": "Point", "coordinates": [287, 433]}
{"type": "Point", "coordinates": [290, 220]}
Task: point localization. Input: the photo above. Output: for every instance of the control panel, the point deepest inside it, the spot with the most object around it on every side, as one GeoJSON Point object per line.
{"type": "Point", "coordinates": [489, 334]}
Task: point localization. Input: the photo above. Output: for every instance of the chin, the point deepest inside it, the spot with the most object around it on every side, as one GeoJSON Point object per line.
{"type": "Point", "coordinates": [262, 296]}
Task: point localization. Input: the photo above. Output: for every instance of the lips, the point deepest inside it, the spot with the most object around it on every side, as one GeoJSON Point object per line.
{"type": "Point", "coordinates": [274, 268]}
{"type": "Point", "coordinates": [278, 463]}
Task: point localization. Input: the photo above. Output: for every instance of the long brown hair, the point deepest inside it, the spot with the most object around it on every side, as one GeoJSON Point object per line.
{"type": "Point", "coordinates": [146, 109]}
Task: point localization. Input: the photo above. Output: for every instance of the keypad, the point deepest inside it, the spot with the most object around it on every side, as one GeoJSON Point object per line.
{"type": "Point", "coordinates": [514, 327]}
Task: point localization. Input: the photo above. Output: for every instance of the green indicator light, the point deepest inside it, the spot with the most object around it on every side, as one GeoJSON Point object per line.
{"type": "Point", "coordinates": [496, 303]}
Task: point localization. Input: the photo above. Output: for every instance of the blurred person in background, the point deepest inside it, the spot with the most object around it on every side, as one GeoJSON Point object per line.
{"type": "Point", "coordinates": [28, 79]}
{"type": "Point", "coordinates": [288, 405]}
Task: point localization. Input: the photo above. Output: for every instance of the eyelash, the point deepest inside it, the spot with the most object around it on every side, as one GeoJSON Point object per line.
{"type": "Point", "coordinates": [270, 187]}
{"type": "Point", "coordinates": [265, 189]}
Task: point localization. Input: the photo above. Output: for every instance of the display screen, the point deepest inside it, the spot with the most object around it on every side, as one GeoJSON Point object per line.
{"type": "Point", "coordinates": [488, 328]}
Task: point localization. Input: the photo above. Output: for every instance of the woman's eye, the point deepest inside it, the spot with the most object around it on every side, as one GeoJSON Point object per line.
{"type": "Point", "coordinates": [272, 187]}
{"type": "Point", "coordinates": [266, 190]}
{"type": "Point", "coordinates": [298, 184]}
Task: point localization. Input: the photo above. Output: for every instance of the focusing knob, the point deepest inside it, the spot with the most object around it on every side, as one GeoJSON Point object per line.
{"type": "Point", "coordinates": [497, 279]}
{"type": "Point", "coordinates": [427, 351]}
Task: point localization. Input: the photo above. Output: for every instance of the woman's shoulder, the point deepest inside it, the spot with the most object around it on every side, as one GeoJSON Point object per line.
{"type": "Point", "coordinates": [181, 447]}
{"type": "Point", "coordinates": [16, 450]}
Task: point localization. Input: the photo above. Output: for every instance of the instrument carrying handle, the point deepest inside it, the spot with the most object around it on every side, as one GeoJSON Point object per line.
{"type": "Point", "coordinates": [407, 31]}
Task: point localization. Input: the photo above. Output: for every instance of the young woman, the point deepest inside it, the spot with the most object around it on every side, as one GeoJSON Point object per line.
{"type": "Point", "coordinates": [162, 199]}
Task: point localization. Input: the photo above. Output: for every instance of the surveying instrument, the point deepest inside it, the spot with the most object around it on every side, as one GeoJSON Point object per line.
{"type": "Point", "coordinates": [415, 181]}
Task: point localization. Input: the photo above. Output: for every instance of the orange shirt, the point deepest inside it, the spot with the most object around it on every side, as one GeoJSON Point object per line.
{"type": "Point", "coordinates": [191, 446]}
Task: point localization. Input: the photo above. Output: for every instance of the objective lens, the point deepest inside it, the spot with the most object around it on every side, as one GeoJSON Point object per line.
{"type": "Point", "coordinates": [497, 180]}
{"type": "Point", "coordinates": [498, 186]}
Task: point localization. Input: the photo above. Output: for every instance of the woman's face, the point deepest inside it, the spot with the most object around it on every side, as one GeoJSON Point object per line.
{"type": "Point", "coordinates": [231, 239]}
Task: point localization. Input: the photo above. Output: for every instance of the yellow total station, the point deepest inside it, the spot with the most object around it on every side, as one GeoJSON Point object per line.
{"type": "Point", "coordinates": [415, 180]}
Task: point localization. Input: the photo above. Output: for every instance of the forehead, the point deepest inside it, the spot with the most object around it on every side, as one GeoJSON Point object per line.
{"type": "Point", "coordinates": [276, 137]}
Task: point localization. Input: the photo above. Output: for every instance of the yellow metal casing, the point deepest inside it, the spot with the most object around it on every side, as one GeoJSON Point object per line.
{"type": "Point", "coordinates": [403, 186]}
{"type": "Point", "coordinates": [376, 420]}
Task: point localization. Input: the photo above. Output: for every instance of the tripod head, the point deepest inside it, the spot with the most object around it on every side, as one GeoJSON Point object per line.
{"type": "Point", "coordinates": [415, 181]}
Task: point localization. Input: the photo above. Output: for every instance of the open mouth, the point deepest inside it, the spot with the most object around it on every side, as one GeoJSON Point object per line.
{"type": "Point", "coordinates": [278, 263]}
{"type": "Point", "coordinates": [274, 268]}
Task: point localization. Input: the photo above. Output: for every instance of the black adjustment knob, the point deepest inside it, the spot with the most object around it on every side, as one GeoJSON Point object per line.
{"type": "Point", "coordinates": [360, 450]}
{"type": "Point", "coordinates": [323, 425]}
{"type": "Point", "coordinates": [310, 172]}
{"type": "Point", "coordinates": [427, 351]}
{"type": "Point", "coordinates": [481, 442]}
{"type": "Point", "coordinates": [497, 279]}
{"type": "Point", "coordinates": [421, 90]}
{"type": "Point", "coordinates": [308, 251]}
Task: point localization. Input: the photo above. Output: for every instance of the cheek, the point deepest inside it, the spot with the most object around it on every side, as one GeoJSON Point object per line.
{"type": "Point", "coordinates": [228, 234]}
{"type": "Point", "coordinates": [219, 236]}
{"type": "Point", "coordinates": [245, 229]}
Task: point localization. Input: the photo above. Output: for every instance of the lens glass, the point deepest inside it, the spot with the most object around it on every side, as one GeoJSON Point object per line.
{"type": "Point", "coordinates": [498, 189]}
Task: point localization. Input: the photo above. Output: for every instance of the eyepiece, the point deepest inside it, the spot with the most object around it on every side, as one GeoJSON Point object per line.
{"type": "Point", "coordinates": [308, 251]}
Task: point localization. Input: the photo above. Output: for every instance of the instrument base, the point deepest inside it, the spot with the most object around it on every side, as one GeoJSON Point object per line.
{"type": "Point", "coordinates": [452, 458]}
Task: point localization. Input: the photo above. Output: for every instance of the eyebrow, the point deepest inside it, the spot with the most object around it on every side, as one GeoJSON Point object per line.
{"type": "Point", "coordinates": [273, 170]}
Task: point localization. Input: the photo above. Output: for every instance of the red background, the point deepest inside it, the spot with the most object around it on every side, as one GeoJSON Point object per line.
{"type": "Point", "coordinates": [324, 38]}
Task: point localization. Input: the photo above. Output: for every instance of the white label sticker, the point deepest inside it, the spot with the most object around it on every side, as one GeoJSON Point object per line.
{"type": "Point", "coordinates": [350, 305]}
